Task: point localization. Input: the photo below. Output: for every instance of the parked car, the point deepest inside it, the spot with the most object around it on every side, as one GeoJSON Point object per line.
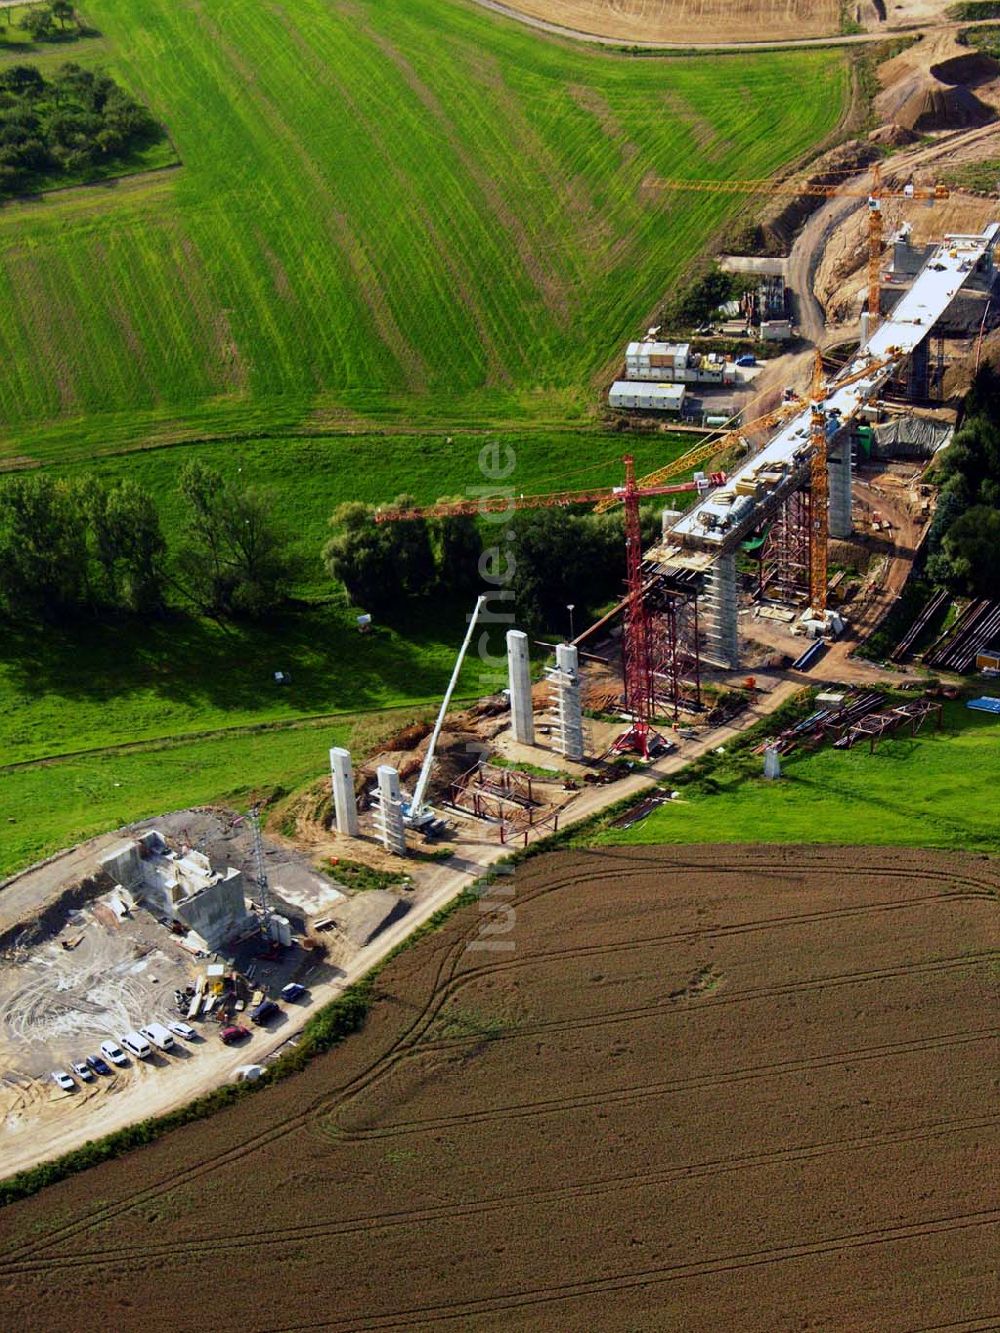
{"type": "Point", "coordinates": [136, 1044]}
{"type": "Point", "coordinates": [746, 360]}
{"type": "Point", "coordinates": [113, 1052]}
{"type": "Point", "coordinates": [248, 1073]}
{"type": "Point", "coordinates": [264, 1012]}
{"type": "Point", "coordinates": [82, 1070]}
{"type": "Point", "coordinates": [98, 1065]}
{"type": "Point", "coordinates": [157, 1035]}
{"type": "Point", "coordinates": [184, 1030]}
{"type": "Point", "coordinates": [60, 1077]}
{"type": "Point", "coordinates": [293, 991]}
{"type": "Point", "coordinates": [233, 1032]}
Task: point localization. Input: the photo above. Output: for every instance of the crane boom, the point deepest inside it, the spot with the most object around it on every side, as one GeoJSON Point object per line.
{"type": "Point", "coordinates": [718, 444]}
{"type": "Point", "coordinates": [639, 681]}
{"type": "Point", "coordinates": [416, 814]}
{"type": "Point", "coordinates": [499, 504]}
{"type": "Point", "coordinates": [817, 191]}
{"type": "Point", "coordinates": [875, 195]}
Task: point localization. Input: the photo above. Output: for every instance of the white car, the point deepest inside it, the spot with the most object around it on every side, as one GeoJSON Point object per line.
{"type": "Point", "coordinates": [248, 1073]}
{"type": "Point", "coordinates": [184, 1030]}
{"type": "Point", "coordinates": [63, 1080]}
{"type": "Point", "coordinates": [83, 1071]}
{"type": "Point", "coordinates": [113, 1052]}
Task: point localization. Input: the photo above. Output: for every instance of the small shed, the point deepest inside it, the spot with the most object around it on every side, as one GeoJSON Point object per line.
{"type": "Point", "coordinates": [988, 659]}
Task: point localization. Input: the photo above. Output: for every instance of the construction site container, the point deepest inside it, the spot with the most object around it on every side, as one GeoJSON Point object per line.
{"type": "Point", "coordinates": [647, 397]}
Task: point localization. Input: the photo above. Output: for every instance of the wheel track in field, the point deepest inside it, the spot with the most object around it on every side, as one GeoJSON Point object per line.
{"type": "Point", "coordinates": [650, 1091]}
{"type": "Point", "coordinates": [821, 860]}
{"type": "Point", "coordinates": [94, 1260]}
{"type": "Point", "coordinates": [682, 1007]}
{"type": "Point", "coordinates": [422, 1316]}
{"type": "Point", "coordinates": [402, 1050]}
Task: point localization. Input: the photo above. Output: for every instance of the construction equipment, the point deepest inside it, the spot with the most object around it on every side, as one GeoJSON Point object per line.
{"type": "Point", "coordinates": [875, 195]}
{"type": "Point", "coordinates": [639, 677]}
{"type": "Point", "coordinates": [416, 814]}
{"type": "Point", "coordinates": [258, 856]}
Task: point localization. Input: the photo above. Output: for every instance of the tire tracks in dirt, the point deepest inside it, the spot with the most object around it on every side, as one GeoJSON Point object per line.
{"type": "Point", "coordinates": [652, 1091]}
{"type": "Point", "coordinates": [312, 1231]}
{"type": "Point", "coordinates": [808, 862]}
{"type": "Point", "coordinates": [422, 1316]}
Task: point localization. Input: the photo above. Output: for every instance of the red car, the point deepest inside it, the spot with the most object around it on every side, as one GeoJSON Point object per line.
{"type": "Point", "coordinates": [234, 1032]}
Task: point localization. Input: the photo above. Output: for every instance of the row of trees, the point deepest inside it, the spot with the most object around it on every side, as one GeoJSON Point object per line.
{"type": "Point", "coordinates": [85, 546]}
{"type": "Point", "coordinates": [89, 547]}
{"type": "Point", "coordinates": [964, 541]}
{"type": "Point", "coordinates": [544, 559]}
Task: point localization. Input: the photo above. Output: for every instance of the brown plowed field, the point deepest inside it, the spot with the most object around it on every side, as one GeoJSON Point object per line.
{"type": "Point", "coordinates": [704, 1088]}
{"type": "Point", "coordinates": [689, 20]}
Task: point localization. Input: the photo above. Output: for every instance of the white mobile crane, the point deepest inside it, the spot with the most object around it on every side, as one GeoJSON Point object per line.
{"type": "Point", "coordinates": [416, 814]}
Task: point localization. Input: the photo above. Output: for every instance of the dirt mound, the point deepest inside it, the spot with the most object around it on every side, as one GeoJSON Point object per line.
{"type": "Point", "coordinates": [892, 136]}
{"type": "Point", "coordinates": [780, 223]}
{"type": "Point", "coordinates": [940, 106]}
{"type": "Point", "coordinates": [969, 71]}
{"type": "Point", "coordinates": [367, 914]}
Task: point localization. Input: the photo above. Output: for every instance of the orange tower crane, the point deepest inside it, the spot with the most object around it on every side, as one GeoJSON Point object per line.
{"type": "Point", "coordinates": [875, 195]}
{"type": "Point", "coordinates": [638, 669]}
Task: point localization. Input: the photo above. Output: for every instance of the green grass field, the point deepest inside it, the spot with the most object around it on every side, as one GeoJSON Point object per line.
{"type": "Point", "coordinates": [935, 790]}
{"type": "Point", "coordinates": [60, 802]}
{"type": "Point", "coordinates": [397, 226]}
{"type": "Point", "coordinates": [389, 211]}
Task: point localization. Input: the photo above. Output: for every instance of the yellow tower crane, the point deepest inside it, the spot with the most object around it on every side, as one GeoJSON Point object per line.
{"type": "Point", "coordinates": [874, 195]}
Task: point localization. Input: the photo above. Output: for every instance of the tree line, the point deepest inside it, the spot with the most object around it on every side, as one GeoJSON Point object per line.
{"type": "Point", "coordinates": [539, 561]}
{"type": "Point", "coordinates": [963, 545]}
{"type": "Point", "coordinates": [86, 547]}
{"type": "Point", "coordinates": [50, 22]}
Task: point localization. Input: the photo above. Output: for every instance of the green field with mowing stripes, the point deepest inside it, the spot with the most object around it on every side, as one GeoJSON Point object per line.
{"type": "Point", "coordinates": [402, 210]}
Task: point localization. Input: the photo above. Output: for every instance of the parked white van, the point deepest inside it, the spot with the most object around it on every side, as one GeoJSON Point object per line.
{"type": "Point", "coordinates": [136, 1044]}
{"type": "Point", "coordinates": [158, 1035]}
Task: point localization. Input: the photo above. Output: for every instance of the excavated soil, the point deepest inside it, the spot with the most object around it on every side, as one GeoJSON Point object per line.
{"type": "Point", "coordinates": [661, 1088]}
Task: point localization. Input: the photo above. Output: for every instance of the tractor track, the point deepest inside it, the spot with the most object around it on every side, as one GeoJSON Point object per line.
{"type": "Point", "coordinates": [651, 1091]}
{"type": "Point", "coordinates": [191, 1246]}
{"type": "Point", "coordinates": [821, 861]}
{"type": "Point", "coordinates": [731, 1263]}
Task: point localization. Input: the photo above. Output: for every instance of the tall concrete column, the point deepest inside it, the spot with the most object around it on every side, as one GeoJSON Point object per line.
{"type": "Point", "coordinates": [720, 604]}
{"type": "Point", "coordinates": [839, 472]}
{"type": "Point", "coordinates": [389, 811]}
{"type": "Point", "coordinates": [569, 715]}
{"type": "Point", "coordinates": [519, 676]}
{"type": "Point", "coordinates": [344, 805]}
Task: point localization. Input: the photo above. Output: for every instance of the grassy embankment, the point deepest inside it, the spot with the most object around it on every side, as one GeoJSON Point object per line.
{"type": "Point", "coordinates": [934, 790]}
{"type": "Point", "coordinates": [394, 229]}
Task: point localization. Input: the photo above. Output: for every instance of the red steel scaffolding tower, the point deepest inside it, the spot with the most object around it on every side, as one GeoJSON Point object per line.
{"type": "Point", "coordinates": [639, 673]}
